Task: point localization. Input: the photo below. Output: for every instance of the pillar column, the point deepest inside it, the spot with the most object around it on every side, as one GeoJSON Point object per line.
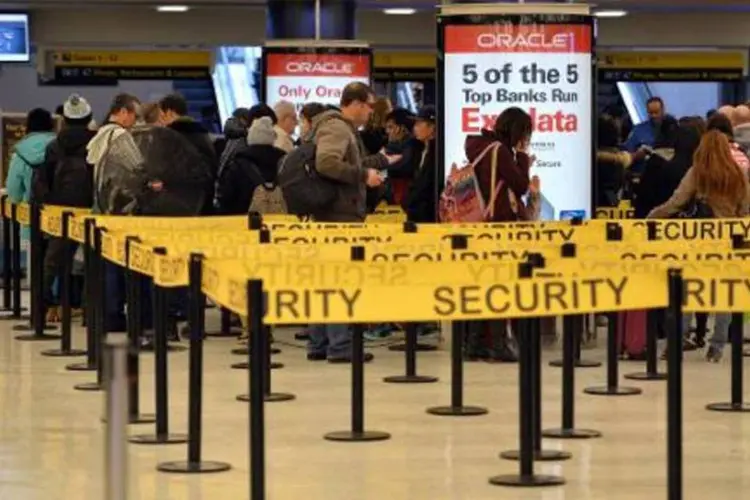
{"type": "Point", "coordinates": [296, 19]}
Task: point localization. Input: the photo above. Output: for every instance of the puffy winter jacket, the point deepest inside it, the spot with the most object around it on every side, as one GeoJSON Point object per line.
{"type": "Point", "coordinates": [28, 154]}
{"type": "Point", "coordinates": [66, 178]}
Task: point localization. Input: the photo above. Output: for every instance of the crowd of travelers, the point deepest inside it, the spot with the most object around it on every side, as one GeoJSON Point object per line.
{"type": "Point", "coordinates": [153, 159]}
{"type": "Point", "coordinates": [691, 167]}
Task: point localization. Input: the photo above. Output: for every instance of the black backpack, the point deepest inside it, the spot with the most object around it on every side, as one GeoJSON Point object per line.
{"type": "Point", "coordinates": [305, 191]}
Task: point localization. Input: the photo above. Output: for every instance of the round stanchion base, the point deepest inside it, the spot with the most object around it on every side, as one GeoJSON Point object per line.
{"type": "Point", "coordinates": [274, 397]}
{"type": "Point", "coordinates": [149, 349]}
{"type": "Point", "coordinates": [11, 317]}
{"type": "Point", "coordinates": [32, 337]}
{"type": "Point", "coordinates": [222, 335]}
{"type": "Point", "coordinates": [729, 407]}
{"type": "Point", "coordinates": [581, 363]}
{"type": "Point", "coordinates": [28, 328]}
{"type": "Point", "coordinates": [246, 366]}
{"type": "Point", "coordinates": [62, 353]}
{"type": "Point", "coordinates": [410, 379]}
{"type": "Point", "coordinates": [241, 351]}
{"type": "Point", "coordinates": [646, 376]}
{"type": "Point", "coordinates": [419, 347]}
{"type": "Point", "coordinates": [533, 481]}
{"type": "Point", "coordinates": [539, 456]}
{"type": "Point", "coordinates": [571, 433]}
{"type": "Point", "coordinates": [613, 391]}
{"type": "Point", "coordinates": [158, 439]}
{"type": "Point", "coordinates": [357, 437]}
{"type": "Point", "coordinates": [80, 367]}
{"type": "Point", "coordinates": [88, 386]}
{"type": "Point", "coordinates": [143, 418]}
{"type": "Point", "coordinates": [457, 411]}
{"type": "Point", "coordinates": [183, 467]}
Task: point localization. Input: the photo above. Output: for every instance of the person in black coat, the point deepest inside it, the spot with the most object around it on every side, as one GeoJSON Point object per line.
{"type": "Point", "coordinates": [419, 203]}
{"type": "Point", "coordinates": [255, 163]}
{"type": "Point", "coordinates": [665, 167]}
{"type": "Point", "coordinates": [173, 111]}
{"type": "Point", "coordinates": [65, 178]}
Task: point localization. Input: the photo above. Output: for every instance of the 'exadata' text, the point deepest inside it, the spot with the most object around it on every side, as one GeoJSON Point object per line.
{"type": "Point", "coordinates": [473, 121]}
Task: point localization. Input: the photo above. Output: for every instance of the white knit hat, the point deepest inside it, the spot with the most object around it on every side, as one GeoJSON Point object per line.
{"type": "Point", "coordinates": [76, 108]}
{"type": "Point", "coordinates": [261, 132]}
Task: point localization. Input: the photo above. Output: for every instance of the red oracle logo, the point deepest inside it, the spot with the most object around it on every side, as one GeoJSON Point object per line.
{"type": "Point", "coordinates": [526, 41]}
{"type": "Point", "coordinates": [330, 68]}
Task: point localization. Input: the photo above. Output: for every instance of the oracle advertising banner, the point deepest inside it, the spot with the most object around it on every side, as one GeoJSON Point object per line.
{"type": "Point", "coordinates": [302, 75]}
{"type": "Point", "coordinates": [541, 64]}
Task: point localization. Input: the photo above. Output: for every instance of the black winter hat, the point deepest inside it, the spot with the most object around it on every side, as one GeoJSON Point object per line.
{"type": "Point", "coordinates": [259, 111]}
{"type": "Point", "coordinates": [402, 117]}
{"type": "Point", "coordinates": [427, 114]}
{"type": "Point", "coordinates": [39, 120]}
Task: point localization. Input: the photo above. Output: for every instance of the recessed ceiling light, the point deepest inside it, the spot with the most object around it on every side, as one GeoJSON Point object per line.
{"type": "Point", "coordinates": [172, 8]}
{"type": "Point", "coordinates": [399, 12]}
{"type": "Point", "coordinates": [611, 13]}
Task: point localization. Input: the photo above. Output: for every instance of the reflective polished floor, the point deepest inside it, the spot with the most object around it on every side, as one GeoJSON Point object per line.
{"type": "Point", "coordinates": [51, 437]}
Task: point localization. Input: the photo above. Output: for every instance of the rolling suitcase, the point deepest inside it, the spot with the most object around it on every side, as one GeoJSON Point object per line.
{"type": "Point", "coordinates": [631, 334]}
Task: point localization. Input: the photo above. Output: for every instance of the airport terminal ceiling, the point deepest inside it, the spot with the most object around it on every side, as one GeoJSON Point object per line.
{"type": "Point", "coordinates": [641, 5]}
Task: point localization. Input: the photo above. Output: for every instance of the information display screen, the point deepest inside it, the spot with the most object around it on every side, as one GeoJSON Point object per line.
{"type": "Point", "coordinates": [302, 75]}
{"type": "Point", "coordinates": [545, 68]}
{"type": "Point", "coordinates": [14, 38]}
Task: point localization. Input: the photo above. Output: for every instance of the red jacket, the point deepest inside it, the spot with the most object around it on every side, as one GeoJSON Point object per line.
{"type": "Point", "coordinates": [514, 172]}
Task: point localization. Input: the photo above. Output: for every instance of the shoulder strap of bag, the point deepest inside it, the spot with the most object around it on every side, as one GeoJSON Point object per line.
{"type": "Point", "coordinates": [494, 183]}
{"type": "Point", "coordinates": [26, 161]}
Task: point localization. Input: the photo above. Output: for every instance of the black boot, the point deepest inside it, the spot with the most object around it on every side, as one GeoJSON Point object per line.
{"type": "Point", "coordinates": [474, 349]}
{"type": "Point", "coordinates": [503, 349]}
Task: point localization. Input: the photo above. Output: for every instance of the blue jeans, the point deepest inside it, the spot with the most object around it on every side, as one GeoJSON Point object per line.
{"type": "Point", "coordinates": [721, 328]}
{"type": "Point", "coordinates": [334, 340]}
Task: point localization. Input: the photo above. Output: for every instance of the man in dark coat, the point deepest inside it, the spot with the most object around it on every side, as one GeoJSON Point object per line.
{"type": "Point", "coordinates": [173, 110]}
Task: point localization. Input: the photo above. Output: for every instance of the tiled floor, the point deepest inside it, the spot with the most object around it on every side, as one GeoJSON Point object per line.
{"type": "Point", "coordinates": [51, 439]}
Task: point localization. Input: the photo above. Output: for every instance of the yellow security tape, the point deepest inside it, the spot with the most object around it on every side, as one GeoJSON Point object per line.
{"type": "Point", "coordinates": [372, 292]}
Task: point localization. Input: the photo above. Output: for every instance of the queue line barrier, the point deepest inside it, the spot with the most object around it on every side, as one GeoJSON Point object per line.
{"type": "Point", "coordinates": [256, 298]}
{"type": "Point", "coordinates": [170, 267]}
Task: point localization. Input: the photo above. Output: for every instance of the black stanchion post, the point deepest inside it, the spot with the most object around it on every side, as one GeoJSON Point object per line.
{"type": "Point", "coordinates": [16, 258]}
{"type": "Point", "coordinates": [536, 390]}
{"type": "Point", "coordinates": [577, 361]}
{"type": "Point", "coordinates": [652, 356]}
{"type": "Point", "coordinates": [161, 382]}
{"type": "Point", "coordinates": [737, 404]}
{"type": "Point", "coordinates": [674, 387]}
{"type": "Point", "coordinates": [269, 395]}
{"type": "Point", "coordinates": [613, 387]}
{"type": "Point", "coordinates": [7, 264]}
{"type": "Point", "coordinates": [99, 309]}
{"type": "Point", "coordinates": [264, 236]}
{"type": "Point", "coordinates": [90, 277]}
{"type": "Point", "coordinates": [66, 284]}
{"type": "Point", "coordinates": [458, 242]}
{"type": "Point", "coordinates": [457, 408]}
{"type": "Point", "coordinates": [358, 432]}
{"type": "Point", "coordinates": [134, 301]}
{"type": "Point", "coordinates": [411, 376]}
{"type": "Point", "coordinates": [36, 265]}
{"type": "Point", "coordinates": [568, 429]}
{"type": "Point", "coordinates": [197, 318]}
{"type": "Point", "coordinates": [225, 328]}
{"type": "Point", "coordinates": [526, 476]}
{"type": "Point", "coordinates": [257, 389]}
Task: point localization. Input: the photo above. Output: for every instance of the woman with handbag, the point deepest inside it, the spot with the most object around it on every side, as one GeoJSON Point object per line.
{"type": "Point", "coordinates": [714, 187]}
{"type": "Point", "coordinates": [503, 177]}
